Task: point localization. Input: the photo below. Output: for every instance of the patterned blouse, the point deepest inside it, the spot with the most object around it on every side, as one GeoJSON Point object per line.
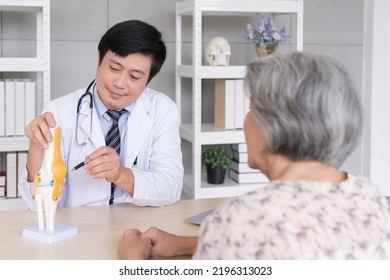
{"type": "Point", "coordinates": [300, 220]}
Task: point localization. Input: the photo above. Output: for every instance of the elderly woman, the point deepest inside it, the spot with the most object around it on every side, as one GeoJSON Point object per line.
{"type": "Point", "coordinates": [305, 119]}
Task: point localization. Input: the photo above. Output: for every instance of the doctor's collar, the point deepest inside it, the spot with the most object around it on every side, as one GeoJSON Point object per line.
{"type": "Point", "coordinates": [101, 108]}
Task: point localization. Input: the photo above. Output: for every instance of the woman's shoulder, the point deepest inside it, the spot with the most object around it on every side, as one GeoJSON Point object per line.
{"type": "Point", "coordinates": [245, 205]}
{"type": "Point", "coordinates": [280, 194]}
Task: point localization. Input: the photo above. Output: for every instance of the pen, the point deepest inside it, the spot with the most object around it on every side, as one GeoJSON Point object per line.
{"type": "Point", "coordinates": [81, 164]}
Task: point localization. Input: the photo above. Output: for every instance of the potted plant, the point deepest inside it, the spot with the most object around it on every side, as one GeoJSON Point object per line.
{"type": "Point", "coordinates": [265, 37]}
{"type": "Point", "coordinates": [216, 160]}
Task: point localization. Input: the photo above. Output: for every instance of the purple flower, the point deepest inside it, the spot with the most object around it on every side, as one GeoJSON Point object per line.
{"type": "Point", "coordinates": [264, 34]}
{"type": "Point", "coordinates": [283, 35]}
{"type": "Point", "coordinates": [268, 25]}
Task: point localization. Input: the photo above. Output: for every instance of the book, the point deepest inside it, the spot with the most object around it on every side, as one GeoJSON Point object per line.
{"type": "Point", "coordinates": [248, 177]}
{"type": "Point", "coordinates": [11, 174]}
{"type": "Point", "coordinates": [242, 167]}
{"type": "Point", "coordinates": [30, 99]}
{"type": "Point", "coordinates": [9, 108]}
{"type": "Point", "coordinates": [2, 179]}
{"type": "Point", "coordinates": [247, 104]}
{"type": "Point", "coordinates": [240, 157]}
{"type": "Point", "coordinates": [2, 109]}
{"type": "Point", "coordinates": [224, 104]}
{"type": "Point", "coordinates": [240, 147]}
{"type": "Point", "coordinates": [2, 183]}
{"type": "Point", "coordinates": [239, 95]}
{"type": "Point", "coordinates": [21, 164]}
{"type": "Point", "coordinates": [19, 107]}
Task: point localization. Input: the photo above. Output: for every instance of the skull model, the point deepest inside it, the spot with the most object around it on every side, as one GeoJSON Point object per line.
{"type": "Point", "coordinates": [218, 52]}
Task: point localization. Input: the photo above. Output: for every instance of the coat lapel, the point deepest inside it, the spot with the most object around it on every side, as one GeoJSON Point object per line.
{"type": "Point", "coordinates": [97, 137]}
{"type": "Point", "coordinates": [139, 125]}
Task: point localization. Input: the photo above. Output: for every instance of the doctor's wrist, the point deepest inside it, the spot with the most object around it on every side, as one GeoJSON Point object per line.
{"type": "Point", "coordinates": [115, 179]}
{"type": "Point", "coordinates": [124, 180]}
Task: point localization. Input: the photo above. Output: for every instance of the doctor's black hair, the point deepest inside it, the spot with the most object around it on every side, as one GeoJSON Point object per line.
{"type": "Point", "coordinates": [135, 36]}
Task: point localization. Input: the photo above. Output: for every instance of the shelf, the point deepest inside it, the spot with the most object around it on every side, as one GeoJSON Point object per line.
{"type": "Point", "coordinates": [22, 64]}
{"type": "Point", "coordinates": [212, 72]}
{"type": "Point", "coordinates": [39, 64]}
{"type": "Point", "coordinates": [21, 5]}
{"type": "Point", "coordinates": [238, 8]}
{"type": "Point", "coordinates": [18, 143]}
{"type": "Point", "coordinates": [210, 135]}
{"type": "Point", "coordinates": [228, 189]}
{"type": "Point", "coordinates": [196, 132]}
{"type": "Point", "coordinates": [12, 204]}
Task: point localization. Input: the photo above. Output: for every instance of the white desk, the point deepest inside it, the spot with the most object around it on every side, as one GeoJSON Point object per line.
{"type": "Point", "coordinates": [99, 228]}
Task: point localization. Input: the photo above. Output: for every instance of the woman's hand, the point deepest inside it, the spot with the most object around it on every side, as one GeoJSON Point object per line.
{"type": "Point", "coordinates": [133, 247]}
{"type": "Point", "coordinates": [168, 245]}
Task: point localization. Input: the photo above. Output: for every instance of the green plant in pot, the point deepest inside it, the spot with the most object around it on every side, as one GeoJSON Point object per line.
{"type": "Point", "coordinates": [216, 160]}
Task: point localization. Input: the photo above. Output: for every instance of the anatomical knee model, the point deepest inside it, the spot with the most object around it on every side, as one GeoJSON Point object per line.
{"type": "Point", "coordinates": [49, 182]}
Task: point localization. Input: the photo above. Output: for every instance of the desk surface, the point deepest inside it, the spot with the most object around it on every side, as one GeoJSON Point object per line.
{"type": "Point", "coordinates": [99, 229]}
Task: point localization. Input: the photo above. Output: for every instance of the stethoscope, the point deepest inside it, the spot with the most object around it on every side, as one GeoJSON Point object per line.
{"type": "Point", "coordinates": [80, 104]}
{"type": "Point", "coordinates": [89, 95]}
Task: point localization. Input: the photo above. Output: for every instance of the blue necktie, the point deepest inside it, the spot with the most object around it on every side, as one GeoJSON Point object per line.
{"type": "Point", "coordinates": [113, 140]}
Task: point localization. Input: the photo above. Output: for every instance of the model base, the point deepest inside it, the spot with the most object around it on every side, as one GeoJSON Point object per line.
{"type": "Point", "coordinates": [59, 233]}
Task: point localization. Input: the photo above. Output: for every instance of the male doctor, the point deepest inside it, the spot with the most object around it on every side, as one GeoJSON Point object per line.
{"type": "Point", "coordinates": [148, 169]}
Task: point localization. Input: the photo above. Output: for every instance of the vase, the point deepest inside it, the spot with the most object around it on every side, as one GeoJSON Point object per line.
{"type": "Point", "coordinates": [263, 51]}
{"type": "Point", "coordinates": [216, 175]}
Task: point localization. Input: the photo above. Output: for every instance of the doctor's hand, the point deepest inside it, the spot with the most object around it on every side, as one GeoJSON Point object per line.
{"type": "Point", "coordinates": [38, 130]}
{"type": "Point", "coordinates": [104, 163]}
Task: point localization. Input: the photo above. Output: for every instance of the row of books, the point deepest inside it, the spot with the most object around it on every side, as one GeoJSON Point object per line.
{"type": "Point", "coordinates": [2, 183]}
{"type": "Point", "coordinates": [17, 106]}
{"type": "Point", "coordinates": [239, 169]}
{"type": "Point", "coordinates": [231, 104]}
{"type": "Point", "coordinates": [9, 179]}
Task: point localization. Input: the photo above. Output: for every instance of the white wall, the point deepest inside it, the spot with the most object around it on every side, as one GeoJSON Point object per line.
{"type": "Point", "coordinates": [335, 28]}
{"type": "Point", "coordinates": [332, 27]}
{"type": "Point", "coordinates": [376, 73]}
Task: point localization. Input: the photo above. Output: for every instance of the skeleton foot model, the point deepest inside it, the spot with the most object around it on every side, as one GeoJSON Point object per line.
{"type": "Point", "coordinates": [47, 189]}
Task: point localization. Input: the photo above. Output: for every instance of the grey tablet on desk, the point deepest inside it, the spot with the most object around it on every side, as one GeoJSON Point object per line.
{"type": "Point", "coordinates": [197, 219]}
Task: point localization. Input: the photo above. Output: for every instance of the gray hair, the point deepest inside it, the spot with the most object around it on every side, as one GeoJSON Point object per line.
{"type": "Point", "coordinates": [306, 106]}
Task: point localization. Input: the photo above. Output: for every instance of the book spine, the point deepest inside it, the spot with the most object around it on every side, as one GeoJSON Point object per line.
{"type": "Point", "coordinates": [240, 157]}
{"type": "Point", "coordinates": [239, 112]}
{"type": "Point", "coordinates": [2, 109]}
{"type": "Point", "coordinates": [242, 167]}
{"type": "Point", "coordinates": [240, 147]}
{"type": "Point", "coordinates": [2, 183]}
{"type": "Point", "coordinates": [2, 178]}
{"type": "Point", "coordinates": [11, 175]}
{"type": "Point", "coordinates": [224, 104]}
{"type": "Point", "coordinates": [30, 98]}
{"type": "Point", "coordinates": [10, 108]}
{"type": "Point", "coordinates": [247, 104]}
{"type": "Point", "coordinates": [242, 178]}
{"type": "Point", "coordinates": [19, 107]}
{"type": "Point", "coordinates": [230, 99]}
{"type": "Point", "coordinates": [22, 162]}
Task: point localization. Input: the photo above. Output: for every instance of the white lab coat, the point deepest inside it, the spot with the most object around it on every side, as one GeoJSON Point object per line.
{"type": "Point", "coordinates": [152, 137]}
